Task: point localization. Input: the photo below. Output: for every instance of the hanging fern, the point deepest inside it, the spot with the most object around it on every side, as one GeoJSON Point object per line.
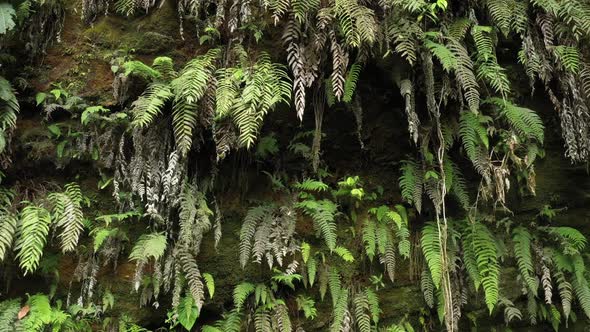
{"type": "Point", "coordinates": [8, 228]}
{"type": "Point", "coordinates": [68, 216]}
{"type": "Point", "coordinates": [149, 246]}
{"type": "Point", "coordinates": [430, 244]}
{"type": "Point", "coordinates": [522, 251]}
{"type": "Point", "coordinates": [241, 293]}
{"type": "Point", "coordinates": [523, 120]}
{"type": "Point", "coordinates": [189, 88]}
{"type": "Point", "coordinates": [340, 311]}
{"type": "Point", "coordinates": [322, 213]}
{"type": "Point", "coordinates": [483, 244]}
{"type": "Point", "coordinates": [32, 236]}
{"type": "Point", "coordinates": [473, 133]}
{"type": "Point", "coordinates": [411, 183]}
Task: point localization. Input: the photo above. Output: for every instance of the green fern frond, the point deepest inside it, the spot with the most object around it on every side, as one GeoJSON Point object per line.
{"type": "Point", "coordinates": [411, 183]}
{"type": "Point", "coordinates": [149, 246]}
{"type": "Point", "coordinates": [311, 185]}
{"type": "Point", "coordinates": [443, 54]}
{"type": "Point", "coordinates": [374, 309]}
{"type": "Point", "coordinates": [427, 287]}
{"type": "Point", "coordinates": [210, 283]}
{"type": "Point", "coordinates": [524, 260]}
{"type": "Point", "coordinates": [465, 75]}
{"type": "Point", "coordinates": [572, 240]}
{"type": "Point", "coordinates": [351, 81]}
{"type": "Point", "coordinates": [430, 245]}
{"type": "Point", "coordinates": [32, 236]}
{"type": "Point", "coordinates": [361, 308]}
{"type": "Point", "coordinates": [8, 228]}
{"type": "Point", "coordinates": [487, 65]}
{"type": "Point", "coordinates": [483, 244]}
{"type": "Point", "coordinates": [241, 292]}
{"type": "Point", "coordinates": [568, 57]}
{"type": "Point", "coordinates": [149, 105]}
{"type": "Point", "coordinates": [472, 133]}
{"type": "Point", "coordinates": [523, 120]}
{"type": "Point", "coordinates": [322, 212]}
{"type": "Point", "coordinates": [68, 216]}
{"type": "Point", "coordinates": [340, 310]}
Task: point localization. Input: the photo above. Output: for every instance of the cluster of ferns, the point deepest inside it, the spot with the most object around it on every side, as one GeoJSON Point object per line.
{"type": "Point", "coordinates": [461, 104]}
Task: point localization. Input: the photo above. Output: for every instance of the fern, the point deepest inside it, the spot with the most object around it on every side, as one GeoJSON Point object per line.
{"type": "Point", "coordinates": [322, 213]}
{"type": "Point", "coordinates": [411, 183]}
{"type": "Point", "coordinates": [149, 105]}
{"type": "Point", "coordinates": [189, 87]}
{"type": "Point", "coordinates": [8, 228]}
{"type": "Point", "coordinates": [340, 310]}
{"type": "Point", "coordinates": [430, 244]}
{"type": "Point", "coordinates": [148, 246]}
{"type": "Point", "coordinates": [193, 277]}
{"type": "Point", "coordinates": [351, 81]}
{"type": "Point", "coordinates": [522, 251]}
{"type": "Point", "coordinates": [465, 75]}
{"type": "Point", "coordinates": [568, 57]}
{"type": "Point", "coordinates": [311, 185]}
{"type": "Point", "coordinates": [488, 68]}
{"type": "Point", "coordinates": [8, 314]}
{"type": "Point", "coordinates": [484, 249]}
{"type": "Point", "coordinates": [241, 292]}
{"type": "Point", "coordinates": [427, 287]}
{"type": "Point", "coordinates": [361, 308]}
{"type": "Point", "coordinates": [67, 215]}
{"type": "Point", "coordinates": [253, 218]}
{"type": "Point", "coordinates": [443, 54]}
{"type": "Point", "coordinates": [369, 238]}
{"type": "Point", "coordinates": [32, 236]}
{"type": "Point", "coordinates": [40, 314]}
{"type": "Point", "coordinates": [472, 133]}
{"type": "Point", "coordinates": [523, 120]}
{"type": "Point", "coordinates": [572, 240]}
{"type": "Point", "coordinates": [374, 308]}
{"type": "Point", "coordinates": [210, 283]}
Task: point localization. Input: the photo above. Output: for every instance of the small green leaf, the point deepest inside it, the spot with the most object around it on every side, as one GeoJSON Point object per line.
{"type": "Point", "coordinates": [60, 148]}
{"type": "Point", "coordinates": [55, 130]}
{"type": "Point", "coordinates": [40, 98]}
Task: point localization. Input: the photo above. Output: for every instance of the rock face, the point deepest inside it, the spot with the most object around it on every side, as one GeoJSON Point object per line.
{"type": "Point", "coordinates": [86, 62]}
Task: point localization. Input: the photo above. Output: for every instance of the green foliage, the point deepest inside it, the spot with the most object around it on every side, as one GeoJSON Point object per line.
{"type": "Point", "coordinates": [311, 185]}
{"type": "Point", "coordinates": [67, 215]}
{"type": "Point", "coordinates": [9, 107]}
{"type": "Point", "coordinates": [40, 314]}
{"type": "Point", "coordinates": [8, 228]}
{"type": "Point", "coordinates": [241, 292]}
{"type": "Point", "coordinates": [7, 15]}
{"type": "Point", "coordinates": [307, 305]}
{"type": "Point", "coordinates": [188, 312]}
{"type": "Point", "coordinates": [32, 236]}
{"type": "Point", "coordinates": [8, 314]}
{"type": "Point", "coordinates": [522, 250]}
{"type": "Point", "coordinates": [430, 244]}
{"type": "Point", "coordinates": [478, 239]}
{"type": "Point", "coordinates": [340, 310]}
{"type": "Point", "coordinates": [411, 183]}
{"type": "Point", "coordinates": [148, 246]}
{"type": "Point", "coordinates": [473, 133]}
{"type": "Point", "coordinates": [322, 213]}
{"type": "Point", "coordinates": [523, 120]}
